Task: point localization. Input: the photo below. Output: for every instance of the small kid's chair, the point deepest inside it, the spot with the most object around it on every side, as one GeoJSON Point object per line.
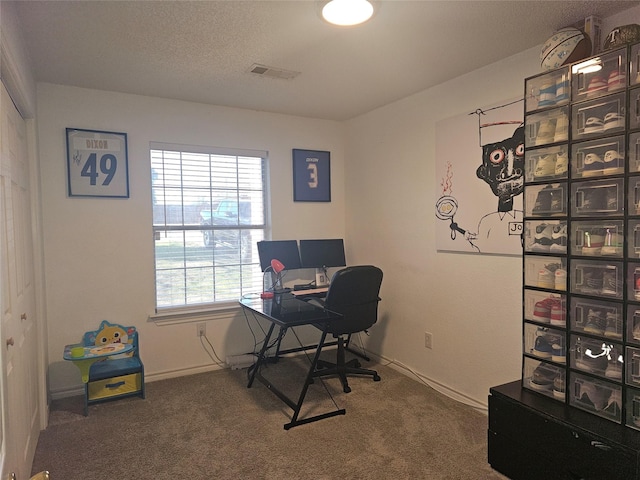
{"type": "Point", "coordinates": [117, 376]}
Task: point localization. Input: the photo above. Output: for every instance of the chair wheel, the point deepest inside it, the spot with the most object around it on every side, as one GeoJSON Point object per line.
{"type": "Point", "coordinates": [346, 389]}
{"type": "Point", "coordinates": [376, 378]}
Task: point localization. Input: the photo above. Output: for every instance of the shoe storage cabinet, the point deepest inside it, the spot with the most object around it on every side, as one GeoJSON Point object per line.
{"type": "Point", "coordinates": [581, 264]}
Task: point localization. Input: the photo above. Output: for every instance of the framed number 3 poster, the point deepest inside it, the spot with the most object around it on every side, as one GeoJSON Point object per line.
{"type": "Point", "coordinates": [311, 176]}
{"type": "Point", "coordinates": [97, 163]}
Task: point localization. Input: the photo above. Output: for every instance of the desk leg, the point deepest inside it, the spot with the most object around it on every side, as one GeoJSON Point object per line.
{"type": "Point", "coordinates": [261, 355]}
{"type": "Point", "coordinates": [303, 393]}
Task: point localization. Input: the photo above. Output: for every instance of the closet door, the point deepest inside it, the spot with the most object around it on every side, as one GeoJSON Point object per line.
{"type": "Point", "coordinates": [18, 339]}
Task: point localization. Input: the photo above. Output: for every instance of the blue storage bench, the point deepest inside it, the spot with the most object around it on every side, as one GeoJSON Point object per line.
{"type": "Point", "coordinates": [117, 376]}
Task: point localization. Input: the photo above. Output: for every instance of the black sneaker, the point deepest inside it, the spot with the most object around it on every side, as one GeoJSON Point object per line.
{"type": "Point", "coordinates": [611, 199]}
{"type": "Point", "coordinates": [596, 322]}
{"type": "Point", "coordinates": [610, 283]}
{"type": "Point", "coordinates": [594, 199]}
{"type": "Point", "coordinates": [557, 200]}
{"type": "Point", "coordinates": [543, 201]}
{"type": "Point", "coordinates": [558, 386]}
{"type": "Point", "coordinates": [592, 357]}
{"type": "Point", "coordinates": [591, 282]}
{"type": "Point", "coordinates": [543, 377]}
{"type": "Point", "coordinates": [593, 395]}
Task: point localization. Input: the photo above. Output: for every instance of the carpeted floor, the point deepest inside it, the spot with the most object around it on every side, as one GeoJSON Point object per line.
{"type": "Point", "coordinates": [210, 426]}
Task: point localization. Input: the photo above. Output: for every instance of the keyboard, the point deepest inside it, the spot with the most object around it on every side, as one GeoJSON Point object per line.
{"type": "Point", "coordinates": [311, 292]}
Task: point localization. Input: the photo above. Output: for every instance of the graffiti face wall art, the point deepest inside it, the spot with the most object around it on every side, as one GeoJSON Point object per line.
{"type": "Point", "coordinates": [480, 180]}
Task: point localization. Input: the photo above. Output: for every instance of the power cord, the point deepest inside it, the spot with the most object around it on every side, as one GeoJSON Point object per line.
{"type": "Point", "coordinates": [217, 359]}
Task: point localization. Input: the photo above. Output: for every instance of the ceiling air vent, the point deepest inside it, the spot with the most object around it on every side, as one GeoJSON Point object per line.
{"type": "Point", "coordinates": [272, 72]}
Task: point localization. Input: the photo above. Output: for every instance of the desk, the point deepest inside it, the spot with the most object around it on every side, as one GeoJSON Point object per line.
{"type": "Point", "coordinates": [92, 354]}
{"type": "Point", "coordinates": [286, 311]}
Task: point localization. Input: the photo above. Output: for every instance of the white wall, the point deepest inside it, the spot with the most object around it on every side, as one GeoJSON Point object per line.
{"type": "Point", "coordinates": [99, 252]}
{"type": "Point", "coordinates": [470, 303]}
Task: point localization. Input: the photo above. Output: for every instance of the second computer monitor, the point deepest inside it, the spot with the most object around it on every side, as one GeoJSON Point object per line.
{"type": "Point", "coordinates": [322, 253]}
{"type": "Point", "coordinates": [284, 250]}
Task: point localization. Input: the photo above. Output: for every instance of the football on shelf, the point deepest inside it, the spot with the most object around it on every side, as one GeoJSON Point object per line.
{"type": "Point", "coordinates": [620, 36]}
{"type": "Point", "coordinates": [565, 46]}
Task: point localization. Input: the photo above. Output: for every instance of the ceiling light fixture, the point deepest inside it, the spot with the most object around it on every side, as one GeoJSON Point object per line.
{"type": "Point", "coordinates": [347, 12]}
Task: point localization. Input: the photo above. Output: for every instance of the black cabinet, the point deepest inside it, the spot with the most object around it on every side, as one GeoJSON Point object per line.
{"type": "Point", "coordinates": [532, 437]}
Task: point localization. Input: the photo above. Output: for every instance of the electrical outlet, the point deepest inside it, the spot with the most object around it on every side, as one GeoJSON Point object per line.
{"type": "Point", "coordinates": [202, 329]}
{"type": "Point", "coordinates": [428, 340]}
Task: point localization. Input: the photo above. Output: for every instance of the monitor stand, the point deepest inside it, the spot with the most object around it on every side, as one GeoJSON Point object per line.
{"type": "Point", "coordinates": [321, 278]}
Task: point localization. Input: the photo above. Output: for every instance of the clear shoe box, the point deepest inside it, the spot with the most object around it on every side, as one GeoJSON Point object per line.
{"type": "Point", "coordinates": [632, 403]}
{"type": "Point", "coordinates": [547, 127]}
{"type": "Point", "coordinates": [598, 158]}
{"type": "Point", "coordinates": [546, 308]}
{"type": "Point", "coordinates": [545, 236]}
{"type": "Point", "coordinates": [634, 65]}
{"type": "Point", "coordinates": [547, 90]}
{"type": "Point", "coordinates": [633, 281]}
{"type": "Point", "coordinates": [600, 357]}
{"type": "Point", "coordinates": [633, 324]}
{"type": "Point", "coordinates": [602, 279]}
{"type": "Point", "coordinates": [612, 77]}
{"type": "Point", "coordinates": [597, 317]}
{"type": "Point", "coordinates": [597, 197]}
{"type": "Point", "coordinates": [633, 197]}
{"type": "Point", "coordinates": [633, 366]}
{"type": "Point", "coordinates": [544, 377]}
{"type": "Point", "coordinates": [546, 200]}
{"type": "Point", "coordinates": [545, 343]}
{"type": "Point", "coordinates": [546, 163]}
{"type": "Point", "coordinates": [545, 272]}
{"type": "Point", "coordinates": [601, 238]}
{"type": "Point", "coordinates": [602, 116]}
{"type": "Point", "coordinates": [634, 108]}
{"type": "Point", "coordinates": [596, 396]}
{"type": "Point", "coordinates": [634, 152]}
{"type": "Point", "coordinates": [633, 240]}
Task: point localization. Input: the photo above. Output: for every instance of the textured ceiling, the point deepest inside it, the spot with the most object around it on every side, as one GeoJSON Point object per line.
{"type": "Point", "coordinates": [202, 51]}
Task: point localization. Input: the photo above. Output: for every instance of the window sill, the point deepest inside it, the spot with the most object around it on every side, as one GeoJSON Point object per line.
{"type": "Point", "coordinates": [221, 311]}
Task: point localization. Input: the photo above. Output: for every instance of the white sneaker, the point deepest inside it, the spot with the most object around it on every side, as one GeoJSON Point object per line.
{"type": "Point", "coordinates": [593, 125]}
{"type": "Point", "coordinates": [542, 239]}
{"type": "Point", "coordinates": [562, 164]}
{"type": "Point", "coordinates": [613, 162]}
{"type": "Point", "coordinates": [593, 165]}
{"type": "Point", "coordinates": [562, 129]}
{"type": "Point", "coordinates": [545, 166]}
{"type": "Point", "coordinates": [613, 120]}
{"type": "Point", "coordinates": [559, 239]}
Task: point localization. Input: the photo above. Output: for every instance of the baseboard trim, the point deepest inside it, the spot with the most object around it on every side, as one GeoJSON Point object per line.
{"type": "Point", "coordinates": [395, 364]}
{"type": "Point", "coordinates": [76, 390]}
{"type": "Point", "coordinates": [181, 372]}
{"type": "Point", "coordinates": [436, 385]}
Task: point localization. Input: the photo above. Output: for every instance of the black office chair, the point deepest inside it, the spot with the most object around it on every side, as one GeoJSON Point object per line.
{"type": "Point", "coordinates": [353, 293]}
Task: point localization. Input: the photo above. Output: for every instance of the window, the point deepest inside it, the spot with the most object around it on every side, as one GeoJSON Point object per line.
{"type": "Point", "coordinates": [208, 215]}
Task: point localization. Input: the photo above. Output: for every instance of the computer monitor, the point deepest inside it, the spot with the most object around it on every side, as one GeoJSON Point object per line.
{"type": "Point", "coordinates": [284, 250]}
{"type": "Point", "coordinates": [322, 253]}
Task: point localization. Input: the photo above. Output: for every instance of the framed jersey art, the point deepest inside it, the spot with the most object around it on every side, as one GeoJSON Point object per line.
{"type": "Point", "coordinates": [97, 163]}
{"type": "Point", "coordinates": [311, 176]}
